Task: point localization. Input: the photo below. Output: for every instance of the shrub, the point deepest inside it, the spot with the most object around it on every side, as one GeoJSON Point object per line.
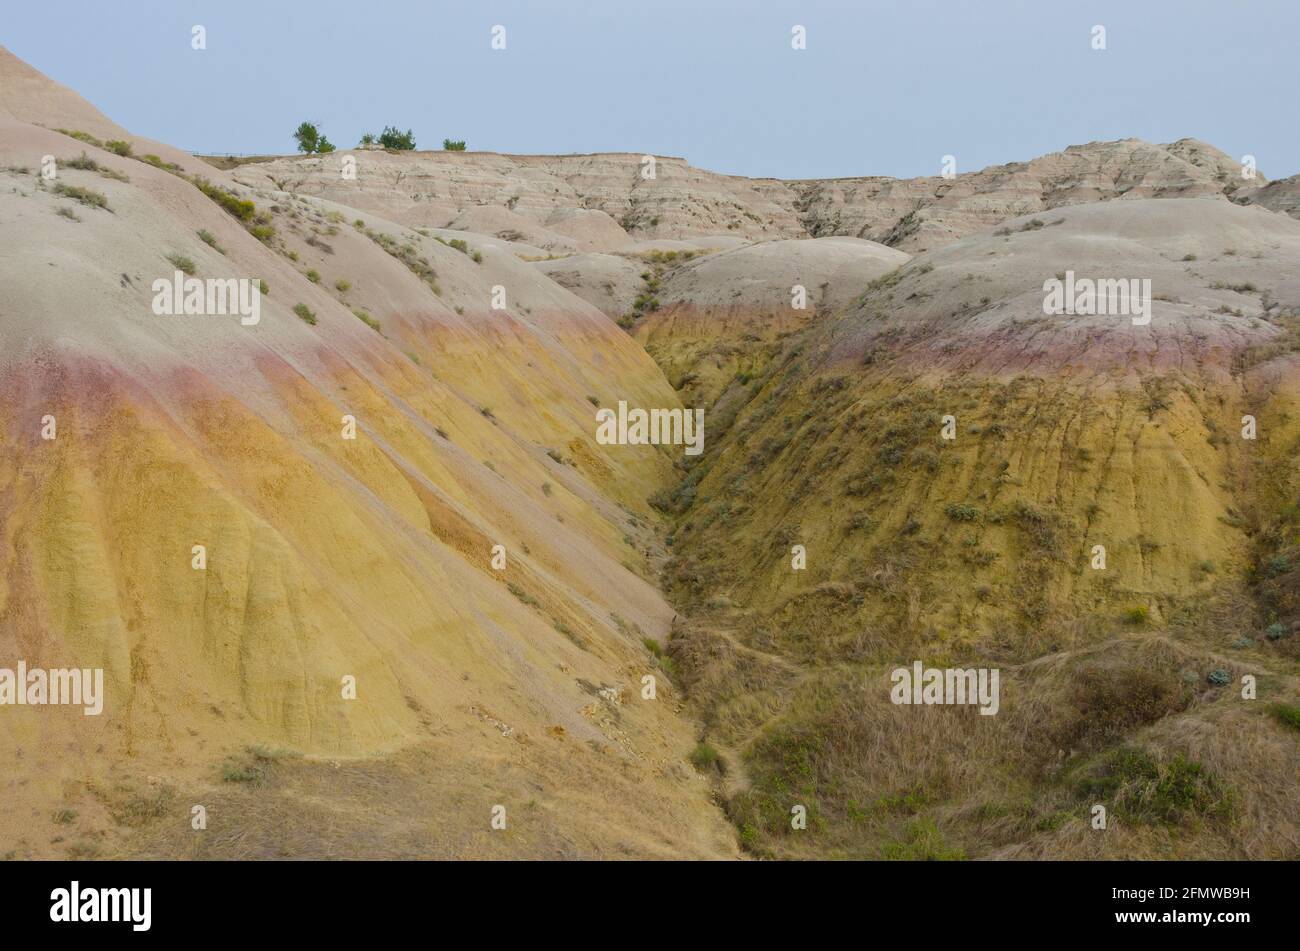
{"type": "Point", "coordinates": [705, 758]}
{"type": "Point", "coordinates": [1136, 615]}
{"type": "Point", "coordinates": [118, 147]}
{"type": "Point", "coordinates": [243, 771]}
{"type": "Point", "coordinates": [313, 275]}
{"type": "Point", "coordinates": [86, 196]}
{"type": "Point", "coordinates": [1287, 714]}
{"type": "Point", "coordinates": [522, 595]}
{"type": "Point", "coordinates": [453, 146]}
{"type": "Point", "coordinates": [366, 319]}
{"type": "Point", "coordinates": [67, 212]}
{"type": "Point", "coordinates": [310, 140]}
{"type": "Point", "coordinates": [924, 842]}
{"type": "Point", "coordinates": [82, 162]}
{"type": "Point", "coordinates": [1158, 792]}
{"type": "Point", "coordinates": [240, 208]}
{"type": "Point", "coordinates": [1279, 565]}
{"type": "Point", "coordinates": [182, 263]}
{"type": "Point", "coordinates": [157, 162]}
{"type": "Point", "coordinates": [342, 286]}
{"type": "Point", "coordinates": [304, 312]}
{"type": "Point", "coordinates": [210, 240]}
{"type": "Point", "coordinates": [391, 138]}
{"type": "Point", "coordinates": [962, 513]}
{"type": "Point", "coordinates": [82, 137]}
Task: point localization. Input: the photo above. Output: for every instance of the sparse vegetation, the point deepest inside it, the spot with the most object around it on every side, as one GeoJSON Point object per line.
{"type": "Point", "coordinates": [311, 141]}
{"type": "Point", "coordinates": [86, 196]}
{"type": "Point", "coordinates": [366, 319]}
{"type": "Point", "coordinates": [391, 138]}
{"type": "Point", "coordinates": [182, 263]}
{"type": "Point", "coordinates": [207, 238]}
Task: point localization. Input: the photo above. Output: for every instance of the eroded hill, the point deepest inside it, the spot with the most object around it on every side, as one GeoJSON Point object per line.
{"type": "Point", "coordinates": [949, 457]}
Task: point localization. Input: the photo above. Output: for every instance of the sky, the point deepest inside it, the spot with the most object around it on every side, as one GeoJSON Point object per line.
{"type": "Point", "coordinates": [882, 87]}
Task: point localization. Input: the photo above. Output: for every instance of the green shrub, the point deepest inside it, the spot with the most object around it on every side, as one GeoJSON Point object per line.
{"type": "Point", "coordinates": [453, 146]}
{"type": "Point", "coordinates": [82, 137]}
{"type": "Point", "coordinates": [182, 263]}
{"type": "Point", "coordinates": [705, 758]}
{"type": "Point", "coordinates": [82, 162]}
{"type": "Point", "coordinates": [1149, 791]}
{"type": "Point", "coordinates": [305, 313]}
{"type": "Point", "coordinates": [237, 207]}
{"type": "Point", "coordinates": [1286, 714]}
{"type": "Point", "coordinates": [86, 196]}
{"type": "Point", "coordinates": [522, 595]}
{"type": "Point", "coordinates": [923, 843]}
{"type": "Point", "coordinates": [391, 138]}
{"type": "Point", "coordinates": [310, 140]}
{"type": "Point", "coordinates": [1136, 615]}
{"type": "Point", "coordinates": [118, 147]}
{"type": "Point", "coordinates": [313, 275]}
{"type": "Point", "coordinates": [366, 319]}
{"type": "Point", "coordinates": [962, 513]}
{"type": "Point", "coordinates": [210, 240]}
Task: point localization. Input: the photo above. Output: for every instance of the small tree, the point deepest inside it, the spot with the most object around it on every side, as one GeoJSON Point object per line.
{"type": "Point", "coordinates": [452, 146]}
{"type": "Point", "coordinates": [310, 139]}
{"type": "Point", "coordinates": [368, 139]}
{"type": "Point", "coordinates": [390, 138]}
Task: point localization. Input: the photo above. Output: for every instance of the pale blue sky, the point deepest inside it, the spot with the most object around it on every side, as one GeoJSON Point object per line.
{"type": "Point", "coordinates": [885, 86]}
